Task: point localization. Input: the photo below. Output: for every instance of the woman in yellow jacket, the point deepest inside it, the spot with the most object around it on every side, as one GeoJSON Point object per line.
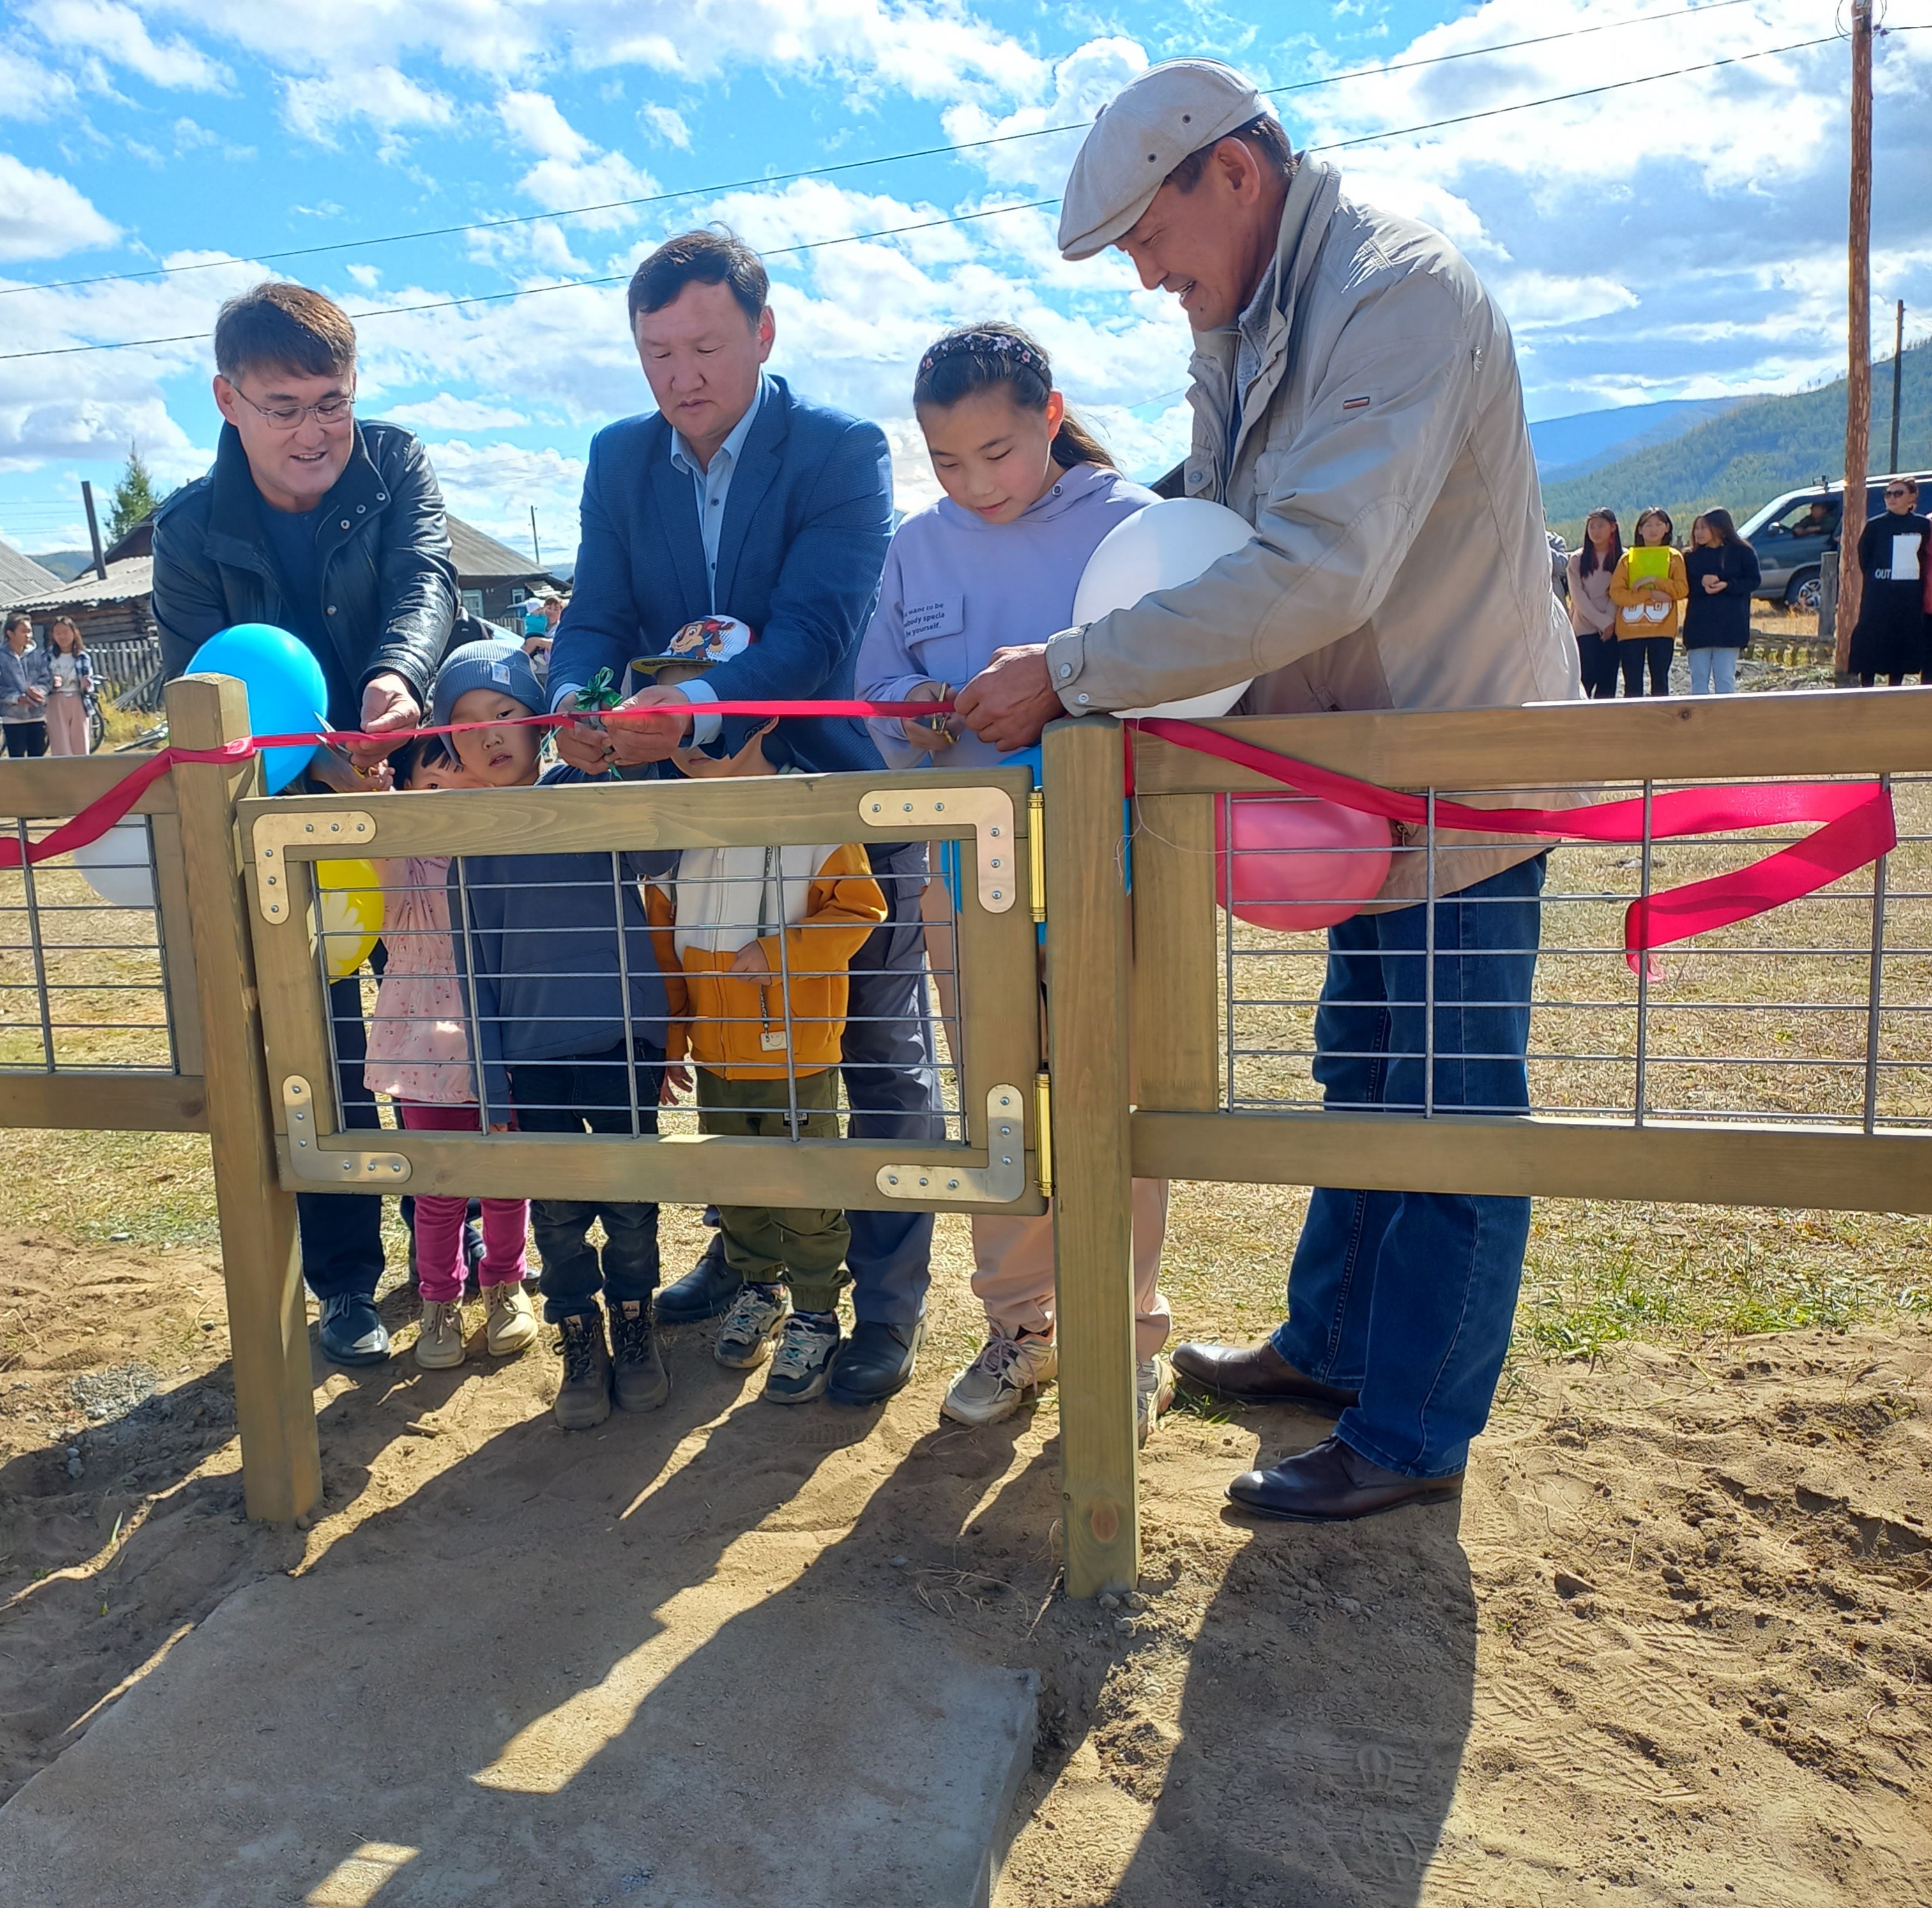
{"type": "Point", "coordinates": [756, 947]}
{"type": "Point", "coordinates": [1650, 606]}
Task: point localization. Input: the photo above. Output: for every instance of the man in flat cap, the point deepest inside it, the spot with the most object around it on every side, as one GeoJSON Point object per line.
{"type": "Point", "coordinates": [1356, 399]}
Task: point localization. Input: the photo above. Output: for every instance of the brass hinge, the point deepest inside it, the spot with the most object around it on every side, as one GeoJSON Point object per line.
{"type": "Point", "coordinates": [1036, 853]}
{"type": "Point", "coordinates": [1042, 1138]}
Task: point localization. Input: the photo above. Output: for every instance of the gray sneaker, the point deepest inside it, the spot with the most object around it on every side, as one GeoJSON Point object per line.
{"type": "Point", "coordinates": [757, 1316]}
{"type": "Point", "coordinates": [802, 1363]}
{"type": "Point", "coordinates": [1153, 1392]}
{"type": "Point", "coordinates": [1007, 1372]}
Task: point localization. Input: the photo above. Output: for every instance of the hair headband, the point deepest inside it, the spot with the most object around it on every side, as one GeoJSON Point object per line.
{"type": "Point", "coordinates": [998, 344]}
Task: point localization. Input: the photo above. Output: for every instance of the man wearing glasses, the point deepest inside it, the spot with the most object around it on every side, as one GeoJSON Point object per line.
{"type": "Point", "coordinates": [332, 530]}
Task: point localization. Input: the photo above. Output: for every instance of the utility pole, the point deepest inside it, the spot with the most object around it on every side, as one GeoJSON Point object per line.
{"type": "Point", "coordinates": [94, 529]}
{"type": "Point", "coordinates": [536, 548]}
{"type": "Point", "coordinates": [1897, 373]}
{"type": "Point", "coordinates": [1858, 316]}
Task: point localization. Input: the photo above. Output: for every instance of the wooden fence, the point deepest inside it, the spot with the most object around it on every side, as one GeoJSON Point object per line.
{"type": "Point", "coordinates": [1179, 1041]}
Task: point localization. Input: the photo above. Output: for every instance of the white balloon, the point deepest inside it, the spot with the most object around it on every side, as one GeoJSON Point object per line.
{"type": "Point", "coordinates": [117, 867]}
{"type": "Point", "coordinates": [1159, 547]}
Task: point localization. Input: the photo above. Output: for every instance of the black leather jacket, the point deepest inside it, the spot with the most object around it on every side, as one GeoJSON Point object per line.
{"type": "Point", "coordinates": [389, 588]}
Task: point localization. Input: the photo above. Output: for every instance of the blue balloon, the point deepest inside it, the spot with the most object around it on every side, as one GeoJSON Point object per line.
{"type": "Point", "coordinates": [286, 689]}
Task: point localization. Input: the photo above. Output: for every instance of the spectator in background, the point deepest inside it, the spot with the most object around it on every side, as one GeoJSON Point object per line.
{"type": "Point", "coordinates": [1722, 570]}
{"type": "Point", "coordinates": [1593, 616]}
{"type": "Point", "coordinates": [1649, 604]}
{"type": "Point", "coordinates": [72, 689]}
{"type": "Point", "coordinates": [1889, 637]}
{"type": "Point", "coordinates": [26, 680]}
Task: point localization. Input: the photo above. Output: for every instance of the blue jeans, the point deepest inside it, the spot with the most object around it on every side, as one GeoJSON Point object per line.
{"type": "Point", "coordinates": [1713, 672]}
{"type": "Point", "coordinates": [891, 1086]}
{"type": "Point", "coordinates": [1409, 1298]}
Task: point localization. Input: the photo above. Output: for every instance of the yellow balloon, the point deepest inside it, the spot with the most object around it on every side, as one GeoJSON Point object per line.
{"type": "Point", "coordinates": [349, 897]}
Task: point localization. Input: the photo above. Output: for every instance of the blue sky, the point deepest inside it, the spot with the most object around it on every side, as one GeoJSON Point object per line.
{"type": "Point", "coordinates": [1683, 238]}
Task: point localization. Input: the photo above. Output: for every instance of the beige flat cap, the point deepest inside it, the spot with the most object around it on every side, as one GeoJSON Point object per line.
{"type": "Point", "coordinates": [1149, 127]}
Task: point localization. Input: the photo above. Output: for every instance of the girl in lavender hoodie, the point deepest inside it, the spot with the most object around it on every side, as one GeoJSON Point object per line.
{"type": "Point", "coordinates": [1029, 494]}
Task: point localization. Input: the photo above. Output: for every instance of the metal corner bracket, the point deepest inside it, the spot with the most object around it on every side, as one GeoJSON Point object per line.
{"type": "Point", "coordinates": [272, 833]}
{"type": "Point", "coordinates": [1000, 1182]}
{"type": "Point", "coordinates": [330, 1169]}
{"type": "Point", "coordinates": [988, 811]}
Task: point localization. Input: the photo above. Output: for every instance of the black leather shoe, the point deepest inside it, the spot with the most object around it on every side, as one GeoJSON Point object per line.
{"type": "Point", "coordinates": [353, 1332]}
{"type": "Point", "coordinates": [1330, 1482]}
{"type": "Point", "coordinates": [708, 1291]}
{"type": "Point", "coordinates": [875, 1362]}
{"type": "Point", "coordinates": [1256, 1375]}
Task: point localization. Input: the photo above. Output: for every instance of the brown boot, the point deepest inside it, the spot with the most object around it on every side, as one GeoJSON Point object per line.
{"type": "Point", "coordinates": [583, 1398]}
{"type": "Point", "coordinates": [1256, 1375]}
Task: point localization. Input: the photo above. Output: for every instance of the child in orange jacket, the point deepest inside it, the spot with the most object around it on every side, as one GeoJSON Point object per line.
{"type": "Point", "coordinates": [756, 944]}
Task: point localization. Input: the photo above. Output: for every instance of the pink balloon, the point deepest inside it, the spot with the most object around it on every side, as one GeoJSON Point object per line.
{"type": "Point", "coordinates": [1296, 863]}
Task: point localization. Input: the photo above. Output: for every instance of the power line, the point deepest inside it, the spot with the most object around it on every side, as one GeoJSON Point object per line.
{"type": "Point", "coordinates": [964, 218]}
{"type": "Point", "coordinates": [843, 166]}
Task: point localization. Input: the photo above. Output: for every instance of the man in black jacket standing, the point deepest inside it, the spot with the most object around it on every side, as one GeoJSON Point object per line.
{"type": "Point", "coordinates": [333, 531]}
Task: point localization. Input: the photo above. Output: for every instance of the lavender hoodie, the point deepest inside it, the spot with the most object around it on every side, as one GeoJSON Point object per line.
{"type": "Point", "coordinates": [956, 588]}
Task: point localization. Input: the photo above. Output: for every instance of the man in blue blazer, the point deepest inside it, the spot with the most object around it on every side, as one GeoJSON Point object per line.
{"type": "Point", "coordinates": [736, 498]}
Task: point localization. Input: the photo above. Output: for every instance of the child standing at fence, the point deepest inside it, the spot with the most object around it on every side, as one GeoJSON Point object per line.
{"type": "Point", "coordinates": [419, 1054]}
{"type": "Point", "coordinates": [758, 945]}
{"type": "Point", "coordinates": [1029, 495]}
{"type": "Point", "coordinates": [73, 688]}
{"type": "Point", "coordinates": [568, 1009]}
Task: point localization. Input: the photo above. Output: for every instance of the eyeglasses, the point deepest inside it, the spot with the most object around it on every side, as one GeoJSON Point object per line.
{"type": "Point", "coordinates": [1900, 490]}
{"type": "Point", "coordinates": [331, 410]}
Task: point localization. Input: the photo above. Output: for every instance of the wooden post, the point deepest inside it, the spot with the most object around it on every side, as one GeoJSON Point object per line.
{"type": "Point", "coordinates": [1897, 382]}
{"type": "Point", "coordinates": [1858, 337]}
{"type": "Point", "coordinates": [261, 1263]}
{"type": "Point", "coordinates": [1087, 1024]}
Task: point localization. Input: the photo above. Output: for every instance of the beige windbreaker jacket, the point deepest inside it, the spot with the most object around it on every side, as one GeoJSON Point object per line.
{"type": "Point", "coordinates": [1399, 559]}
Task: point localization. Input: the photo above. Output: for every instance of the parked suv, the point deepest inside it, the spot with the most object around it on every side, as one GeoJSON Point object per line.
{"type": "Point", "coordinates": [1792, 533]}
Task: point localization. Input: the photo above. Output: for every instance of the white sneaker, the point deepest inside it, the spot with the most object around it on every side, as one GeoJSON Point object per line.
{"type": "Point", "coordinates": [511, 1323]}
{"type": "Point", "coordinates": [440, 1338]}
{"type": "Point", "coordinates": [757, 1316]}
{"type": "Point", "coordinates": [1153, 1392]}
{"type": "Point", "coordinates": [1007, 1372]}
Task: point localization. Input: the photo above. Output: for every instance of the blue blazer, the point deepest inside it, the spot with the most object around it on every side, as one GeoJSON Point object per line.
{"type": "Point", "coordinates": [800, 555]}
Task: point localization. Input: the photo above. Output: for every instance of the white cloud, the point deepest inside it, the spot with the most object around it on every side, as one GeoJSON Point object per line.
{"type": "Point", "coordinates": [44, 217]}
{"type": "Point", "coordinates": [495, 486]}
{"type": "Point", "coordinates": [444, 412]}
{"type": "Point", "coordinates": [106, 30]}
{"type": "Point", "coordinates": [1082, 83]}
{"type": "Point", "coordinates": [667, 124]}
{"type": "Point", "coordinates": [319, 106]}
{"type": "Point", "coordinates": [533, 120]}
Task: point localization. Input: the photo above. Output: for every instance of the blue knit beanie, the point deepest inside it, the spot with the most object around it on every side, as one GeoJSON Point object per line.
{"type": "Point", "coordinates": [501, 665]}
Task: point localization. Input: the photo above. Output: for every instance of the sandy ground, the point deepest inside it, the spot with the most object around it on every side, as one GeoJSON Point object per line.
{"type": "Point", "coordinates": [1675, 1646]}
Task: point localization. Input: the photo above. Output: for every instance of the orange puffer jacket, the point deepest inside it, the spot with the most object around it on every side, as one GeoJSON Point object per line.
{"type": "Point", "coordinates": [809, 909]}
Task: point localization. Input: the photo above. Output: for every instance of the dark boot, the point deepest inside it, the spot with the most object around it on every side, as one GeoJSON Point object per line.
{"type": "Point", "coordinates": [708, 1291]}
{"type": "Point", "coordinates": [876, 1361]}
{"type": "Point", "coordinates": [1332, 1482]}
{"type": "Point", "coordinates": [1256, 1375]}
{"type": "Point", "coordinates": [583, 1398]}
{"type": "Point", "coordinates": [638, 1376]}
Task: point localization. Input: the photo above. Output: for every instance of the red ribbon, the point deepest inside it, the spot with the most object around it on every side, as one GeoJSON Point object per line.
{"type": "Point", "coordinates": [1858, 824]}
{"type": "Point", "coordinates": [1859, 827]}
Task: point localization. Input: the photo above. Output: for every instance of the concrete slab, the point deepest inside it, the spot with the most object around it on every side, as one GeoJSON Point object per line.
{"type": "Point", "coordinates": [418, 1731]}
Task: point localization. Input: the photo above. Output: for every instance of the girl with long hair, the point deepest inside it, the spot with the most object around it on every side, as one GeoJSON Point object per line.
{"type": "Point", "coordinates": [1649, 599]}
{"type": "Point", "coordinates": [1028, 494]}
{"type": "Point", "coordinates": [1722, 570]}
{"type": "Point", "coordinates": [1593, 616]}
{"type": "Point", "coordinates": [73, 686]}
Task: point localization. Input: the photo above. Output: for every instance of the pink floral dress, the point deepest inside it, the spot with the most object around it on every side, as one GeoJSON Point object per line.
{"type": "Point", "coordinates": [418, 1044]}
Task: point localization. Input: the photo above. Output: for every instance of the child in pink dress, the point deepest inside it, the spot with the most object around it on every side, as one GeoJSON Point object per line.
{"type": "Point", "coordinates": [419, 1054]}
